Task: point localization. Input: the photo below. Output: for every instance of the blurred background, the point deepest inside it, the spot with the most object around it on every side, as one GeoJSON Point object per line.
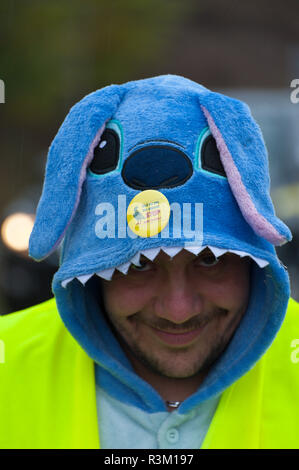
{"type": "Point", "coordinates": [52, 53]}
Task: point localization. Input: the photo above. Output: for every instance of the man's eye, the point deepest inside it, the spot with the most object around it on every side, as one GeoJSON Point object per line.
{"type": "Point", "coordinates": [144, 266]}
{"type": "Point", "coordinates": [208, 261]}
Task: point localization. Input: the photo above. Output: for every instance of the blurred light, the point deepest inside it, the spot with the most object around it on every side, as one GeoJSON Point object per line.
{"type": "Point", "coordinates": [16, 230]}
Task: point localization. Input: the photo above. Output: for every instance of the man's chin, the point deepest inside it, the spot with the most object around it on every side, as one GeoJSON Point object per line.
{"type": "Point", "coordinates": [171, 367]}
{"type": "Point", "coordinates": [182, 365]}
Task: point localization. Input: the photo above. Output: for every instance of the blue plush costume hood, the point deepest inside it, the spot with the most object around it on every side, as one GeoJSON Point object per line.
{"type": "Point", "coordinates": [163, 131]}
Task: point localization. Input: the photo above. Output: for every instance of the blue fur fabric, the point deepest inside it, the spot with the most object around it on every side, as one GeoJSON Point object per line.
{"type": "Point", "coordinates": [158, 119]}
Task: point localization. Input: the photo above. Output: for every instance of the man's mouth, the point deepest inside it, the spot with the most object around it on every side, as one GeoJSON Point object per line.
{"type": "Point", "coordinates": [177, 337]}
{"type": "Point", "coordinates": [183, 334]}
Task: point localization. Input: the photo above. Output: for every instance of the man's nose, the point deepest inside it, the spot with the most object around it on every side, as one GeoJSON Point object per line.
{"type": "Point", "coordinates": [177, 302]}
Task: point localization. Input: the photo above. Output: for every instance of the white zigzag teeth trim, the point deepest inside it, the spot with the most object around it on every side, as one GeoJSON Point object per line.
{"type": "Point", "coordinates": [151, 254]}
{"type": "Point", "coordinates": [106, 274]}
{"type": "Point", "coordinates": [66, 281]}
{"type": "Point", "coordinates": [84, 279]}
{"type": "Point", "coordinates": [240, 253]}
{"type": "Point", "coordinates": [135, 259]}
{"type": "Point", "coordinates": [217, 251]}
{"type": "Point", "coordinates": [171, 250]}
{"type": "Point", "coordinates": [195, 249]}
{"type": "Point", "coordinates": [123, 268]}
{"type": "Point", "coordinates": [261, 262]}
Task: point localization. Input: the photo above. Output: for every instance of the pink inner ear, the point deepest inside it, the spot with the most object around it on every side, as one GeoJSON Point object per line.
{"type": "Point", "coordinates": [259, 224]}
{"type": "Point", "coordinates": [82, 177]}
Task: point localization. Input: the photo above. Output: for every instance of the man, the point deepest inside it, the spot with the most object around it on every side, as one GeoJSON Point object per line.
{"type": "Point", "coordinates": [175, 316]}
{"type": "Point", "coordinates": [170, 327]}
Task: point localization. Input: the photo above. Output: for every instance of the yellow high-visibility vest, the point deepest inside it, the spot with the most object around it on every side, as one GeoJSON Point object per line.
{"type": "Point", "coordinates": [48, 393]}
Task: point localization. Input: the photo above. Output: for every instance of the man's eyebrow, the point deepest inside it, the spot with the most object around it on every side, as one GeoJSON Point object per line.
{"type": "Point", "coordinates": [154, 141]}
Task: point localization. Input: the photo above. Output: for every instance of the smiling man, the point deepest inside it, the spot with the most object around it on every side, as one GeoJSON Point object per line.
{"type": "Point", "coordinates": [157, 337]}
{"type": "Point", "coordinates": [174, 317]}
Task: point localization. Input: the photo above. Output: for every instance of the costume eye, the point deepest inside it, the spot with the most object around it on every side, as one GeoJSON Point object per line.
{"type": "Point", "coordinates": [210, 157]}
{"type": "Point", "coordinates": [106, 153]}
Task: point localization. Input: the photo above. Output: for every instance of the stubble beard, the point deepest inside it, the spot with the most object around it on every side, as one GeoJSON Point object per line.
{"type": "Point", "coordinates": [166, 368]}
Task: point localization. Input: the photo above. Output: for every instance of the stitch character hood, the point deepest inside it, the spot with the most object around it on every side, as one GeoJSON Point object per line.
{"type": "Point", "coordinates": [194, 146]}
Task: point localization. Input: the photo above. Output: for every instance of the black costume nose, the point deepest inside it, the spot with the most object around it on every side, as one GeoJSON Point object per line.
{"type": "Point", "coordinates": [156, 167]}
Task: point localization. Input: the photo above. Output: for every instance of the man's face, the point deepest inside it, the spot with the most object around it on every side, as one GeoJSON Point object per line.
{"type": "Point", "coordinates": [175, 316]}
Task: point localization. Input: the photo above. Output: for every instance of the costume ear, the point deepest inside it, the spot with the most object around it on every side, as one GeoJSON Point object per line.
{"type": "Point", "coordinates": [244, 158]}
{"type": "Point", "coordinates": [69, 156]}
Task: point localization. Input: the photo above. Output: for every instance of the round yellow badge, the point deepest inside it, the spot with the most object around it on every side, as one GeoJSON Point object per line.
{"type": "Point", "coordinates": [148, 213]}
